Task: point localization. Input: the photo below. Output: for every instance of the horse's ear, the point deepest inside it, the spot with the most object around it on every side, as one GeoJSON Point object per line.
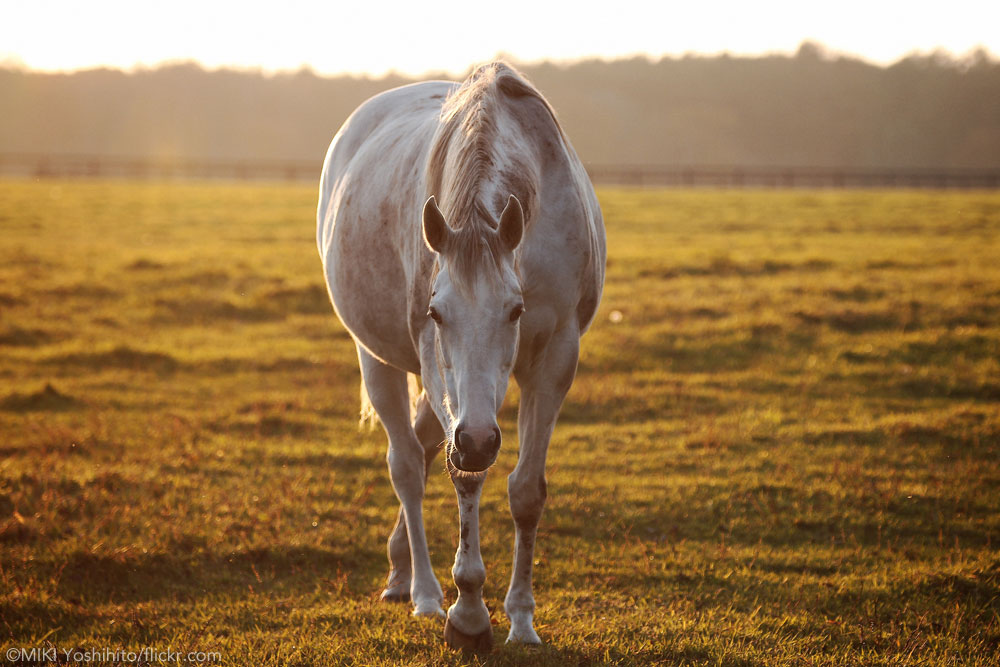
{"type": "Point", "coordinates": [511, 224]}
{"type": "Point", "coordinates": [436, 231]}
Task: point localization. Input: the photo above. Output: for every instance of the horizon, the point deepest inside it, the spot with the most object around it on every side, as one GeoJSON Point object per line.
{"type": "Point", "coordinates": [406, 41]}
{"type": "Point", "coordinates": [824, 52]}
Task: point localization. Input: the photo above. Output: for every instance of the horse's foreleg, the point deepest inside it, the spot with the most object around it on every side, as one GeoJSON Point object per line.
{"type": "Point", "coordinates": [397, 586]}
{"type": "Point", "coordinates": [542, 393]}
{"type": "Point", "coordinates": [468, 625]}
{"type": "Point", "coordinates": [388, 392]}
{"type": "Point", "coordinates": [428, 430]}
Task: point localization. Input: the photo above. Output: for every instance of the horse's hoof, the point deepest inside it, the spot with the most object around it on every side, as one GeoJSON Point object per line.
{"type": "Point", "coordinates": [529, 638]}
{"type": "Point", "coordinates": [521, 629]}
{"type": "Point", "coordinates": [428, 610]}
{"type": "Point", "coordinates": [395, 595]}
{"type": "Point", "coordinates": [479, 643]}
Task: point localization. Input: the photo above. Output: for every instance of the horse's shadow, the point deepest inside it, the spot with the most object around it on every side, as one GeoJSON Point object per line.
{"type": "Point", "coordinates": [85, 582]}
{"type": "Point", "coordinates": [549, 654]}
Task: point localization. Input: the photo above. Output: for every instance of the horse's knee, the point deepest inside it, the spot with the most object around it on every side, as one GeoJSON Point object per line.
{"type": "Point", "coordinates": [406, 469]}
{"type": "Point", "coordinates": [527, 498]}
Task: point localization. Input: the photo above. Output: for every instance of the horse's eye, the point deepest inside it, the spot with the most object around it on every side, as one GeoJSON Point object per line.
{"type": "Point", "coordinates": [516, 312]}
{"type": "Point", "coordinates": [434, 315]}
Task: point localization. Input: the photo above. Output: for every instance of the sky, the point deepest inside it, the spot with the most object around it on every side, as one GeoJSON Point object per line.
{"type": "Point", "coordinates": [413, 38]}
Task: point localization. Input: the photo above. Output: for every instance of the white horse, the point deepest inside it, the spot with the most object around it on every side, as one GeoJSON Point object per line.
{"type": "Point", "coordinates": [504, 276]}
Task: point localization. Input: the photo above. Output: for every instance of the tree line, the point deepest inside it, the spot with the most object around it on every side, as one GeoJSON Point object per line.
{"type": "Point", "coordinates": [807, 109]}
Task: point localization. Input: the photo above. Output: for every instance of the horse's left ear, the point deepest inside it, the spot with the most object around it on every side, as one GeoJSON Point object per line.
{"type": "Point", "coordinates": [436, 231]}
{"type": "Point", "coordinates": [511, 224]}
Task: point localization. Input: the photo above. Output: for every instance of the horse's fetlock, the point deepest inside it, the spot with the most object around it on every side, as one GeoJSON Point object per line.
{"type": "Point", "coordinates": [520, 604]}
{"type": "Point", "coordinates": [469, 578]}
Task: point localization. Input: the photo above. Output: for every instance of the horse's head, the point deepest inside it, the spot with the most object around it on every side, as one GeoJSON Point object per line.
{"type": "Point", "coordinates": [476, 307]}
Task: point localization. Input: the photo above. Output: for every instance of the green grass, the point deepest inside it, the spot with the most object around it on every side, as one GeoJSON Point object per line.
{"type": "Point", "coordinates": [781, 447]}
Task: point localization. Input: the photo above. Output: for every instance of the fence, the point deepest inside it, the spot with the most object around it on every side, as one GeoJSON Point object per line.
{"type": "Point", "coordinates": [795, 177]}
{"type": "Point", "coordinates": [100, 166]}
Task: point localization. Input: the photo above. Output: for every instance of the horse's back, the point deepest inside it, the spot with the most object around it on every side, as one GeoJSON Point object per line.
{"type": "Point", "coordinates": [371, 137]}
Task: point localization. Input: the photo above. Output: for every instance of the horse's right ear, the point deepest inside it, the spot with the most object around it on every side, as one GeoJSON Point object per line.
{"type": "Point", "coordinates": [436, 230]}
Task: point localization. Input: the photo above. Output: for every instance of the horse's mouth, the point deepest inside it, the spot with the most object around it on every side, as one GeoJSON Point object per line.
{"type": "Point", "coordinates": [456, 463]}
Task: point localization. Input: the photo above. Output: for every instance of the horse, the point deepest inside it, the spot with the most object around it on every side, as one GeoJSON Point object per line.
{"type": "Point", "coordinates": [462, 243]}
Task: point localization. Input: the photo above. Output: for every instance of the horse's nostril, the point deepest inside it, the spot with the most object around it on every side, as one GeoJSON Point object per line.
{"type": "Point", "coordinates": [495, 440]}
{"type": "Point", "coordinates": [463, 439]}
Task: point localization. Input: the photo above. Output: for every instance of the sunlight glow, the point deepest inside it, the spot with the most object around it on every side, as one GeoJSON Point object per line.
{"type": "Point", "coordinates": [415, 38]}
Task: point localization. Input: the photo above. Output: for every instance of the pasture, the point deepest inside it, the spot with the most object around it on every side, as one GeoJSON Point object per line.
{"type": "Point", "coordinates": [782, 447]}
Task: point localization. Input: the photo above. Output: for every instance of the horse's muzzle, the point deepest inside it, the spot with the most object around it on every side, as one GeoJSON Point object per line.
{"type": "Point", "coordinates": [475, 450]}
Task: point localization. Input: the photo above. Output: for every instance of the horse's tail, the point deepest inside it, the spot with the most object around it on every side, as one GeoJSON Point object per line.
{"type": "Point", "coordinates": [369, 417]}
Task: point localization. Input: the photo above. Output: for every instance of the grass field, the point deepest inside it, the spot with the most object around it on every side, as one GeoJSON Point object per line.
{"type": "Point", "coordinates": [781, 447]}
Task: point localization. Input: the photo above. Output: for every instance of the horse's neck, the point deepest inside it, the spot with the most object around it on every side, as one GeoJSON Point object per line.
{"type": "Point", "coordinates": [509, 170]}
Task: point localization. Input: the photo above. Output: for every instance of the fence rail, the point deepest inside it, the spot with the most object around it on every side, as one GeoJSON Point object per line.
{"type": "Point", "coordinates": [102, 166]}
{"type": "Point", "coordinates": [795, 177]}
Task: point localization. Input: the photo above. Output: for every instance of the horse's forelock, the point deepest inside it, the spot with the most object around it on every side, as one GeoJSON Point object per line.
{"type": "Point", "coordinates": [475, 254]}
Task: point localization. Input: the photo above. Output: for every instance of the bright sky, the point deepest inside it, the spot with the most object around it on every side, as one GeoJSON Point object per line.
{"type": "Point", "coordinates": [414, 37]}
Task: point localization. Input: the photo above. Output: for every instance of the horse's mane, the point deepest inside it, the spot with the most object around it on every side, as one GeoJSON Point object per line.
{"type": "Point", "coordinates": [461, 161]}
